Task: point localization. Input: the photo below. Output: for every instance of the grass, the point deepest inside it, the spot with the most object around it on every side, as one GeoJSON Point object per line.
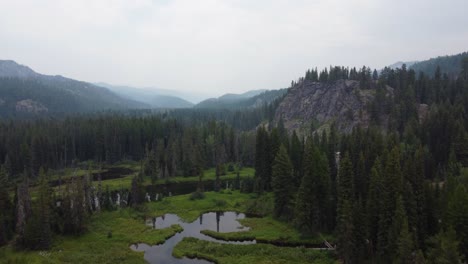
{"type": "Point", "coordinates": [209, 174]}
{"type": "Point", "coordinates": [258, 253]}
{"type": "Point", "coordinates": [270, 231]}
{"type": "Point", "coordinates": [127, 227]}
{"type": "Point", "coordinates": [190, 210]}
{"type": "Point", "coordinates": [94, 246]}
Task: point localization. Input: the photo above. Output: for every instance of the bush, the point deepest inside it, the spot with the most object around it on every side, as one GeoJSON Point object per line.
{"type": "Point", "coordinates": [219, 202]}
{"type": "Point", "coordinates": [261, 206]}
{"type": "Point", "coordinates": [197, 195]}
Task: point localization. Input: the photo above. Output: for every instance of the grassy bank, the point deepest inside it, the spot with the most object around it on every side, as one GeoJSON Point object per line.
{"type": "Point", "coordinates": [95, 246]}
{"type": "Point", "coordinates": [127, 226]}
{"type": "Point", "coordinates": [270, 231]}
{"type": "Point", "coordinates": [189, 210]}
{"type": "Point", "coordinates": [258, 253]}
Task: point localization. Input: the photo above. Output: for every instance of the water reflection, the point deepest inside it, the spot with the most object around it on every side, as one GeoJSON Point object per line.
{"type": "Point", "coordinates": [216, 221]}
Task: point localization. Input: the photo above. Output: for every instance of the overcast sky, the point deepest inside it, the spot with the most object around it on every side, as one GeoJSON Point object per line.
{"type": "Point", "coordinates": [213, 47]}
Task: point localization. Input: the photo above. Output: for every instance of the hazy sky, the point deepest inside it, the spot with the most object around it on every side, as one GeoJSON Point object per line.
{"type": "Point", "coordinates": [209, 46]}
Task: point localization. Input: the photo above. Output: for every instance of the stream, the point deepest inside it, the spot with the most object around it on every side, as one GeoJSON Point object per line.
{"type": "Point", "coordinates": [216, 221]}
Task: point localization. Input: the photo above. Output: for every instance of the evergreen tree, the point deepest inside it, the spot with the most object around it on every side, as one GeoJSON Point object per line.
{"type": "Point", "coordinates": [345, 232]}
{"type": "Point", "coordinates": [6, 210]}
{"type": "Point", "coordinates": [391, 191]}
{"type": "Point", "coordinates": [374, 204]}
{"type": "Point", "coordinates": [23, 210]}
{"type": "Point", "coordinates": [399, 217]}
{"type": "Point", "coordinates": [405, 245]}
{"type": "Point", "coordinates": [313, 198]}
{"type": "Point", "coordinates": [457, 217]}
{"type": "Point", "coordinates": [137, 192]}
{"type": "Point", "coordinates": [443, 248]}
{"type": "Point", "coordinates": [44, 211]}
{"type": "Point", "coordinates": [359, 238]}
{"type": "Point", "coordinates": [282, 185]}
{"type": "Point", "coordinates": [296, 159]}
{"type": "Point", "coordinates": [345, 227]}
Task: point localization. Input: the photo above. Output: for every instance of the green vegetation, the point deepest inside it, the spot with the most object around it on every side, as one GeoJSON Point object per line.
{"type": "Point", "coordinates": [269, 230]}
{"type": "Point", "coordinates": [95, 246]}
{"type": "Point", "coordinates": [189, 210]}
{"type": "Point", "coordinates": [259, 253]}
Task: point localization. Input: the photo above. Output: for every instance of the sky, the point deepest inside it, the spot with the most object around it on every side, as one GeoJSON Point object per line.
{"type": "Point", "coordinates": [211, 47]}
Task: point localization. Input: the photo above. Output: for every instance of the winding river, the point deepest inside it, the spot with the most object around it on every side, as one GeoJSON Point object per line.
{"type": "Point", "coordinates": [215, 221]}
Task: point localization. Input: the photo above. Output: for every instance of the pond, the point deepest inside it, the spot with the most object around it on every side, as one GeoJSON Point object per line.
{"type": "Point", "coordinates": [215, 221]}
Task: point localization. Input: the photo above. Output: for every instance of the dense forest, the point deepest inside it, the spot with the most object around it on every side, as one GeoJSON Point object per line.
{"type": "Point", "coordinates": [394, 194]}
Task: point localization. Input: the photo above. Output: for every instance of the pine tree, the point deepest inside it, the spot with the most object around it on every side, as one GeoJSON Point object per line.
{"type": "Point", "coordinates": [313, 198]}
{"type": "Point", "coordinates": [457, 217]}
{"type": "Point", "coordinates": [391, 191]}
{"type": "Point", "coordinates": [374, 204]}
{"type": "Point", "coordinates": [282, 185]}
{"type": "Point", "coordinates": [359, 239]}
{"type": "Point", "coordinates": [345, 232]}
{"type": "Point", "coordinates": [345, 188]}
{"type": "Point", "coordinates": [296, 158]}
{"type": "Point", "coordinates": [137, 192]}
{"type": "Point", "coordinates": [345, 227]}
{"type": "Point", "coordinates": [399, 217]}
{"type": "Point", "coordinates": [23, 209]}
{"type": "Point", "coordinates": [44, 211]}
{"type": "Point", "coordinates": [6, 210]}
{"type": "Point", "coordinates": [443, 248]}
{"type": "Point", "coordinates": [405, 245]}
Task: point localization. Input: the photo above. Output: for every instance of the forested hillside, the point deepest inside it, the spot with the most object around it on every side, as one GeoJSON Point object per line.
{"type": "Point", "coordinates": [450, 65]}
{"type": "Point", "coordinates": [25, 93]}
{"type": "Point", "coordinates": [250, 99]}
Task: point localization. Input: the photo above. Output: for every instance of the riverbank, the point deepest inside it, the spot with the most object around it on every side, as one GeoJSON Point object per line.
{"type": "Point", "coordinates": [110, 233]}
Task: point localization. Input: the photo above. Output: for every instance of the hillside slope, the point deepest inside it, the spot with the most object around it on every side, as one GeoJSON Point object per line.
{"type": "Point", "coordinates": [25, 92]}
{"type": "Point", "coordinates": [450, 65]}
{"type": "Point", "coordinates": [153, 97]}
{"type": "Point", "coordinates": [249, 99]}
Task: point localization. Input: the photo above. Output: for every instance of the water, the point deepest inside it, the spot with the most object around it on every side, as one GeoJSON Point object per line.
{"type": "Point", "coordinates": [216, 221]}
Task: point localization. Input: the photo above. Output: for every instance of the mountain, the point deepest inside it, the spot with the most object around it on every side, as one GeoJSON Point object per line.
{"type": "Point", "coordinates": [168, 101]}
{"type": "Point", "coordinates": [26, 92]}
{"type": "Point", "coordinates": [248, 99]}
{"type": "Point", "coordinates": [156, 98]}
{"type": "Point", "coordinates": [450, 65]}
{"type": "Point", "coordinates": [318, 104]}
{"type": "Point", "coordinates": [399, 64]}
{"type": "Point", "coordinates": [248, 94]}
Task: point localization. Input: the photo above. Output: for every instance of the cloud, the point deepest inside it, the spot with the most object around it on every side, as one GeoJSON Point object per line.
{"type": "Point", "coordinates": [216, 46]}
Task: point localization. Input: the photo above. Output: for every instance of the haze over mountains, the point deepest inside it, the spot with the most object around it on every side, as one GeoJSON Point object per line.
{"type": "Point", "coordinates": [26, 92]}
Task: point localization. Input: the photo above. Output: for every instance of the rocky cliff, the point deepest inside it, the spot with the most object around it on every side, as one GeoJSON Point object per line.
{"type": "Point", "coordinates": [319, 104]}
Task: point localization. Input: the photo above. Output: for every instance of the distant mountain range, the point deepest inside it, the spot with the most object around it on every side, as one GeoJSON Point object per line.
{"type": "Point", "coordinates": [449, 64]}
{"type": "Point", "coordinates": [25, 92]}
{"type": "Point", "coordinates": [156, 98]}
{"type": "Point", "coordinates": [248, 99]}
{"type": "Point", "coordinates": [399, 64]}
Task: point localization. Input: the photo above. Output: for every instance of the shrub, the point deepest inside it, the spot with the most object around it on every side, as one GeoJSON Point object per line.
{"type": "Point", "coordinates": [197, 195]}
{"type": "Point", "coordinates": [219, 202]}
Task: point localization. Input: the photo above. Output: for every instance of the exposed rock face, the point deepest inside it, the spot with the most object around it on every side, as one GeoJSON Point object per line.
{"type": "Point", "coordinates": [423, 112]}
{"type": "Point", "coordinates": [341, 101]}
{"type": "Point", "coordinates": [30, 106]}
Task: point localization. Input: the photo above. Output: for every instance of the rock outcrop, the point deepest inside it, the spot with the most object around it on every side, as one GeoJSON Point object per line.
{"type": "Point", "coordinates": [342, 102]}
{"type": "Point", "coordinates": [30, 106]}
